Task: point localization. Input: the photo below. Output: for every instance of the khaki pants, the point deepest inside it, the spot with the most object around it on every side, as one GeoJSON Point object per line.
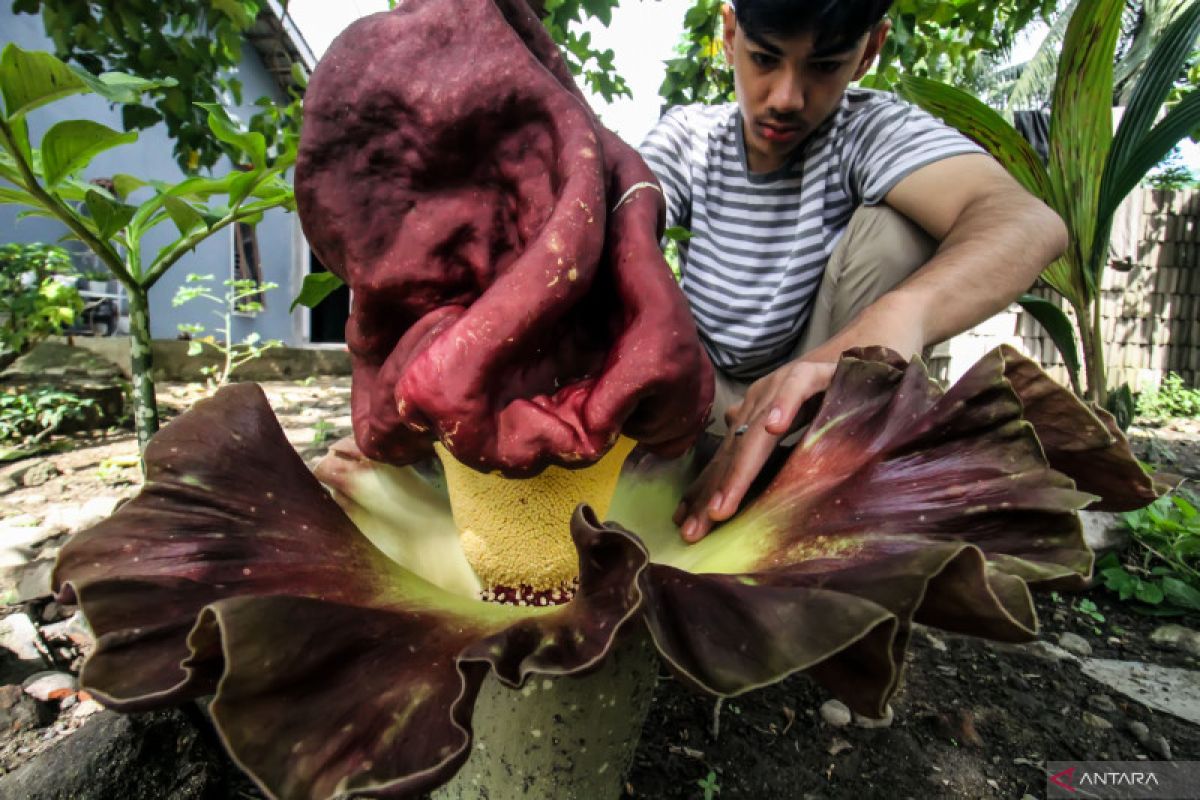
{"type": "Point", "coordinates": [879, 249]}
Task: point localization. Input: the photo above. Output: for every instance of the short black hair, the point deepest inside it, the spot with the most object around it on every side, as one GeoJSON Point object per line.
{"type": "Point", "coordinates": [837, 24]}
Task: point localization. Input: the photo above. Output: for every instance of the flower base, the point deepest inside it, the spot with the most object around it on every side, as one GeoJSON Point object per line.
{"type": "Point", "coordinates": [560, 738]}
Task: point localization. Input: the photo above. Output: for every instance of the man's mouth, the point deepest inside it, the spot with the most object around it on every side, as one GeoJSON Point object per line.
{"type": "Point", "coordinates": [778, 133]}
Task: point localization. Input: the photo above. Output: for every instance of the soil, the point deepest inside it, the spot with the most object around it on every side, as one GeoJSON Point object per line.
{"type": "Point", "coordinates": [973, 719]}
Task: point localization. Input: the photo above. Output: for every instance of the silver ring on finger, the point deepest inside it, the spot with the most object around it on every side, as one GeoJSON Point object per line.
{"type": "Point", "coordinates": [741, 430]}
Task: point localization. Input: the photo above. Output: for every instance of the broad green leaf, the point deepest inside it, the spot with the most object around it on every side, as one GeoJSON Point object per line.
{"type": "Point", "coordinates": [109, 215]}
{"type": "Point", "coordinates": [29, 79]}
{"type": "Point", "coordinates": [186, 217]}
{"type": "Point", "coordinates": [241, 184]}
{"type": "Point", "coordinates": [1181, 594]}
{"type": "Point", "coordinates": [14, 196]}
{"type": "Point", "coordinates": [224, 128]}
{"type": "Point", "coordinates": [126, 185]}
{"type": "Point", "coordinates": [1179, 122]}
{"type": "Point", "coordinates": [70, 146]}
{"type": "Point", "coordinates": [1081, 125]}
{"type": "Point", "coordinates": [202, 187]}
{"type": "Point", "coordinates": [1057, 324]}
{"type": "Point", "coordinates": [118, 87]}
{"type": "Point", "coordinates": [317, 286]}
{"type": "Point", "coordinates": [979, 122]}
{"type": "Point", "coordinates": [677, 234]}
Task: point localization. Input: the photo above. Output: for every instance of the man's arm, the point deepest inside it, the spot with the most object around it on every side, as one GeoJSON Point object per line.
{"type": "Point", "coordinates": [996, 239]}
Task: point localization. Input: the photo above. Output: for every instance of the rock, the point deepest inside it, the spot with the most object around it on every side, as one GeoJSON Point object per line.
{"type": "Point", "coordinates": [73, 518]}
{"type": "Point", "coordinates": [1093, 721]}
{"type": "Point", "coordinates": [882, 722]}
{"type": "Point", "coordinates": [41, 472]}
{"type": "Point", "coordinates": [26, 582]}
{"type": "Point", "coordinates": [133, 757]}
{"type": "Point", "coordinates": [1167, 689]}
{"type": "Point", "coordinates": [53, 612]}
{"type": "Point", "coordinates": [836, 713]}
{"type": "Point", "coordinates": [1177, 637]}
{"type": "Point", "coordinates": [1102, 703]}
{"type": "Point", "coordinates": [1074, 644]}
{"type": "Point", "coordinates": [74, 629]}
{"type": "Point", "coordinates": [1103, 531]}
{"type": "Point", "coordinates": [19, 712]}
{"type": "Point", "coordinates": [839, 746]}
{"type": "Point", "coordinates": [86, 708]}
{"type": "Point", "coordinates": [1139, 731]}
{"type": "Point", "coordinates": [1160, 747]}
{"type": "Point", "coordinates": [77, 371]}
{"type": "Point", "coordinates": [18, 635]}
{"type": "Point", "coordinates": [47, 686]}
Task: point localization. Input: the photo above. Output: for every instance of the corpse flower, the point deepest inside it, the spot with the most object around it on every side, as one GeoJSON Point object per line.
{"type": "Point", "coordinates": [417, 625]}
{"type": "Point", "coordinates": [346, 648]}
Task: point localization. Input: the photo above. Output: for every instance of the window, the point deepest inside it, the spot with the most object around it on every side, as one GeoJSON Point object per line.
{"type": "Point", "coordinates": [247, 265]}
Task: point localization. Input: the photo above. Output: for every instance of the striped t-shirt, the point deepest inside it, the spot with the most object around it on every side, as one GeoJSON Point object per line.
{"type": "Point", "coordinates": [760, 242]}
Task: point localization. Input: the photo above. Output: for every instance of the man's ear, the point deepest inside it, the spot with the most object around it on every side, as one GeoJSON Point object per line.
{"type": "Point", "coordinates": [729, 28]}
{"type": "Point", "coordinates": [875, 40]}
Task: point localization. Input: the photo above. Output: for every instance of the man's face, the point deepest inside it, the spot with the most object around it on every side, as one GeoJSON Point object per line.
{"type": "Point", "coordinates": [787, 87]}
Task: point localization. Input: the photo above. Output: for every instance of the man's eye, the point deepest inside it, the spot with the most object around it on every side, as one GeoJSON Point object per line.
{"type": "Point", "coordinates": [763, 60]}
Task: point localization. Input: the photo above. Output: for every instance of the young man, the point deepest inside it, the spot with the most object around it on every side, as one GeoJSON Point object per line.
{"type": "Point", "coordinates": [823, 218]}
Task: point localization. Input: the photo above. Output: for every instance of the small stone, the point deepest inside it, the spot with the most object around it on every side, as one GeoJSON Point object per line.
{"type": "Point", "coordinates": [68, 701]}
{"type": "Point", "coordinates": [934, 642]}
{"type": "Point", "coordinates": [836, 713]}
{"type": "Point", "coordinates": [1102, 703]}
{"type": "Point", "coordinates": [1093, 721]}
{"type": "Point", "coordinates": [27, 582]}
{"type": "Point", "coordinates": [882, 722]}
{"type": "Point", "coordinates": [1074, 644]}
{"type": "Point", "coordinates": [1177, 637]}
{"type": "Point", "coordinates": [41, 685]}
{"type": "Point", "coordinates": [1139, 731]}
{"type": "Point", "coordinates": [1103, 531]}
{"type": "Point", "coordinates": [839, 746]}
{"type": "Point", "coordinates": [18, 711]}
{"type": "Point", "coordinates": [18, 635]}
{"type": "Point", "coordinates": [74, 629]}
{"type": "Point", "coordinates": [1160, 747]}
{"type": "Point", "coordinates": [53, 612]}
{"type": "Point", "coordinates": [1059, 616]}
{"type": "Point", "coordinates": [86, 708]}
{"type": "Point", "coordinates": [39, 473]}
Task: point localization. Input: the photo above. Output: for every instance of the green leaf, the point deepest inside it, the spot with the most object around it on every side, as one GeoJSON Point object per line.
{"type": "Point", "coordinates": [16, 197]}
{"type": "Point", "coordinates": [1081, 125]}
{"type": "Point", "coordinates": [119, 87]}
{"type": "Point", "coordinates": [1057, 324]}
{"type": "Point", "coordinates": [677, 234]}
{"type": "Point", "coordinates": [1148, 593]}
{"type": "Point", "coordinates": [1181, 594]}
{"type": "Point", "coordinates": [185, 216]}
{"type": "Point", "coordinates": [317, 286]}
{"type": "Point", "coordinates": [251, 143]}
{"type": "Point", "coordinates": [29, 79]}
{"type": "Point", "coordinates": [126, 185]}
{"type": "Point", "coordinates": [109, 215]}
{"type": "Point", "coordinates": [1127, 161]}
{"type": "Point", "coordinates": [70, 146]}
{"type": "Point", "coordinates": [979, 122]}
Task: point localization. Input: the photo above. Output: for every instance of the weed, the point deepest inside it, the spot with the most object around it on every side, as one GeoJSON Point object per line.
{"type": "Point", "coordinates": [30, 417]}
{"type": "Point", "coordinates": [241, 296]}
{"type": "Point", "coordinates": [709, 785]}
{"type": "Point", "coordinates": [321, 430]}
{"type": "Point", "coordinates": [1171, 399]}
{"type": "Point", "coordinates": [1161, 570]}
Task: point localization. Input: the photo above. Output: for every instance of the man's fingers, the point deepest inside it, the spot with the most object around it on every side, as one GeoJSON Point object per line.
{"type": "Point", "coordinates": [747, 460]}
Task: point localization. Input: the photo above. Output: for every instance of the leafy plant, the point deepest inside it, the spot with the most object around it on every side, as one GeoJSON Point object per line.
{"type": "Point", "coordinates": [708, 784]}
{"type": "Point", "coordinates": [36, 296]}
{"type": "Point", "coordinates": [45, 180]}
{"type": "Point", "coordinates": [1090, 170]}
{"type": "Point", "coordinates": [321, 430]}
{"type": "Point", "coordinates": [1161, 570]}
{"type": "Point", "coordinates": [1171, 398]}
{"type": "Point", "coordinates": [192, 47]}
{"type": "Point", "coordinates": [241, 295]}
{"type": "Point", "coordinates": [29, 417]}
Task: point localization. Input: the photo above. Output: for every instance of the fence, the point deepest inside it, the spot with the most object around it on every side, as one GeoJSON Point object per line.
{"type": "Point", "coordinates": [1150, 301]}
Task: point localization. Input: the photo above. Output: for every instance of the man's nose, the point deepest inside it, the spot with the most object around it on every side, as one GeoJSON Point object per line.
{"type": "Point", "coordinates": [787, 95]}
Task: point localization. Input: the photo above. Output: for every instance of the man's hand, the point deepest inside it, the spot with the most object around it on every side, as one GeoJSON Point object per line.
{"type": "Point", "coordinates": [766, 414]}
